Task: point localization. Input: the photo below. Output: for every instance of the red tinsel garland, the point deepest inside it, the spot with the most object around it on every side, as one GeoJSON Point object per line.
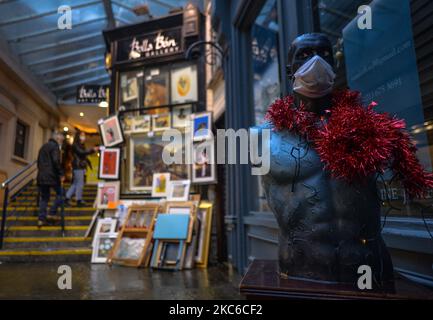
{"type": "Point", "coordinates": [356, 141]}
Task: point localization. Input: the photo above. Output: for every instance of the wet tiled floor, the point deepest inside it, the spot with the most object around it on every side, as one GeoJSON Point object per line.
{"type": "Point", "coordinates": [39, 281]}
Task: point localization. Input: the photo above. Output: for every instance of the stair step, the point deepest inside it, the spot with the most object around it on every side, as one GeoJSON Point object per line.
{"type": "Point", "coordinates": [34, 213]}
{"type": "Point", "coordinates": [47, 239]}
{"type": "Point", "coordinates": [46, 242]}
{"type": "Point", "coordinates": [49, 231]}
{"type": "Point", "coordinates": [47, 228]}
{"type": "Point", "coordinates": [32, 220]}
{"type": "Point", "coordinates": [67, 209]}
{"type": "Point", "coordinates": [71, 218]}
{"type": "Point", "coordinates": [45, 255]}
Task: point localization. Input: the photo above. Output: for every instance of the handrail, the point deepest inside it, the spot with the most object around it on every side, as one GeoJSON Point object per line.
{"type": "Point", "coordinates": [7, 189]}
{"type": "Point", "coordinates": [8, 181]}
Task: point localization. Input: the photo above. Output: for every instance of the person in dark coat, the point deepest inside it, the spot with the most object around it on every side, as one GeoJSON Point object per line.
{"type": "Point", "coordinates": [79, 165]}
{"type": "Point", "coordinates": [50, 176]}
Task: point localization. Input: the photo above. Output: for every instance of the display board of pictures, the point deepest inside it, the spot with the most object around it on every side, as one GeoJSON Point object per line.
{"type": "Point", "coordinates": [156, 88]}
{"type": "Point", "coordinates": [109, 163]}
{"type": "Point", "coordinates": [145, 159]}
{"type": "Point", "coordinates": [184, 84]}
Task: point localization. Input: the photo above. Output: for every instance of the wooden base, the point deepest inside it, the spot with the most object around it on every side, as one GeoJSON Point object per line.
{"type": "Point", "coordinates": [262, 281]}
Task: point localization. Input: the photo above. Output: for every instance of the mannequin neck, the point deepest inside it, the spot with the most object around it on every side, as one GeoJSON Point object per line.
{"type": "Point", "coordinates": [316, 105]}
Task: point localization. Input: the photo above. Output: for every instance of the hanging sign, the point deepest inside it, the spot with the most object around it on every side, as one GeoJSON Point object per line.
{"type": "Point", "coordinates": [91, 93]}
{"type": "Point", "coordinates": [152, 45]}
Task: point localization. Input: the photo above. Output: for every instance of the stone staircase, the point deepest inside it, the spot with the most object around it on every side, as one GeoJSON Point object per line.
{"type": "Point", "coordinates": [25, 242]}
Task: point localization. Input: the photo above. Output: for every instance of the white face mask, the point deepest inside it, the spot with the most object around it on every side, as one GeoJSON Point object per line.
{"type": "Point", "coordinates": [314, 79]}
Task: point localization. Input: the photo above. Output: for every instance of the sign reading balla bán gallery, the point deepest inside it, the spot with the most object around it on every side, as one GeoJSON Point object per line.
{"type": "Point", "coordinates": [152, 45]}
{"type": "Point", "coordinates": [91, 93]}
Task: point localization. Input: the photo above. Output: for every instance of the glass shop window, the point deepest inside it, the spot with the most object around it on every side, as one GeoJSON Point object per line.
{"type": "Point", "coordinates": [266, 71]}
{"type": "Point", "coordinates": [266, 75]}
{"type": "Point", "coordinates": [390, 64]}
{"type": "Point", "coordinates": [21, 134]}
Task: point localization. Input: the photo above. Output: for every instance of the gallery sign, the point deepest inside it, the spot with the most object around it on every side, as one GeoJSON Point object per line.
{"type": "Point", "coordinates": [152, 45]}
{"type": "Point", "coordinates": [91, 93]}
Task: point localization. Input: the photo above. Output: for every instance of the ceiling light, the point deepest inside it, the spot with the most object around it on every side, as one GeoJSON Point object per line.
{"type": "Point", "coordinates": [81, 114]}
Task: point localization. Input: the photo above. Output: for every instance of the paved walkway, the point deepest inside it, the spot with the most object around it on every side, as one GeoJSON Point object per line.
{"type": "Point", "coordinates": [39, 281]}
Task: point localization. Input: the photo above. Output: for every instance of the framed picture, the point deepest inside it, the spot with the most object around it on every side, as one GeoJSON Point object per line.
{"type": "Point", "coordinates": [160, 184]}
{"type": "Point", "coordinates": [184, 84]}
{"type": "Point", "coordinates": [145, 158]}
{"type": "Point", "coordinates": [203, 168]}
{"type": "Point", "coordinates": [186, 207]}
{"type": "Point", "coordinates": [182, 116]}
{"type": "Point", "coordinates": [127, 124]}
{"type": "Point", "coordinates": [161, 122]}
{"type": "Point", "coordinates": [104, 226]}
{"type": "Point", "coordinates": [202, 126]}
{"type": "Point", "coordinates": [111, 131]}
{"type": "Point", "coordinates": [109, 163]}
{"type": "Point", "coordinates": [204, 221]}
{"type": "Point", "coordinates": [156, 84]}
{"type": "Point", "coordinates": [104, 243]}
{"type": "Point", "coordinates": [107, 192]}
{"type": "Point", "coordinates": [130, 91]}
{"type": "Point", "coordinates": [141, 124]}
{"type": "Point", "coordinates": [178, 190]}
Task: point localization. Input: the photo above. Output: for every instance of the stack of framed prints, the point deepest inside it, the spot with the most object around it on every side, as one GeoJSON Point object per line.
{"type": "Point", "coordinates": [187, 208]}
{"type": "Point", "coordinates": [133, 245]}
{"type": "Point", "coordinates": [103, 240]}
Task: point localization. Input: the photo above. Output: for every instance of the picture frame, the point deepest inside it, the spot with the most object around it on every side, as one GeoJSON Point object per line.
{"type": "Point", "coordinates": [104, 243]}
{"type": "Point", "coordinates": [141, 123]}
{"type": "Point", "coordinates": [145, 158]}
{"type": "Point", "coordinates": [156, 85]}
{"type": "Point", "coordinates": [161, 122]}
{"type": "Point", "coordinates": [184, 86]}
{"type": "Point", "coordinates": [201, 126]}
{"type": "Point", "coordinates": [109, 163]}
{"type": "Point", "coordinates": [127, 124]}
{"type": "Point", "coordinates": [204, 221]}
{"type": "Point", "coordinates": [181, 116]}
{"type": "Point", "coordinates": [111, 131]}
{"type": "Point", "coordinates": [107, 192]}
{"type": "Point", "coordinates": [203, 167]}
{"type": "Point", "coordinates": [130, 91]}
{"type": "Point", "coordinates": [160, 183]}
{"type": "Point", "coordinates": [104, 226]}
{"type": "Point", "coordinates": [186, 207]}
{"type": "Point", "coordinates": [178, 190]}
{"type": "Point", "coordinates": [134, 243]}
